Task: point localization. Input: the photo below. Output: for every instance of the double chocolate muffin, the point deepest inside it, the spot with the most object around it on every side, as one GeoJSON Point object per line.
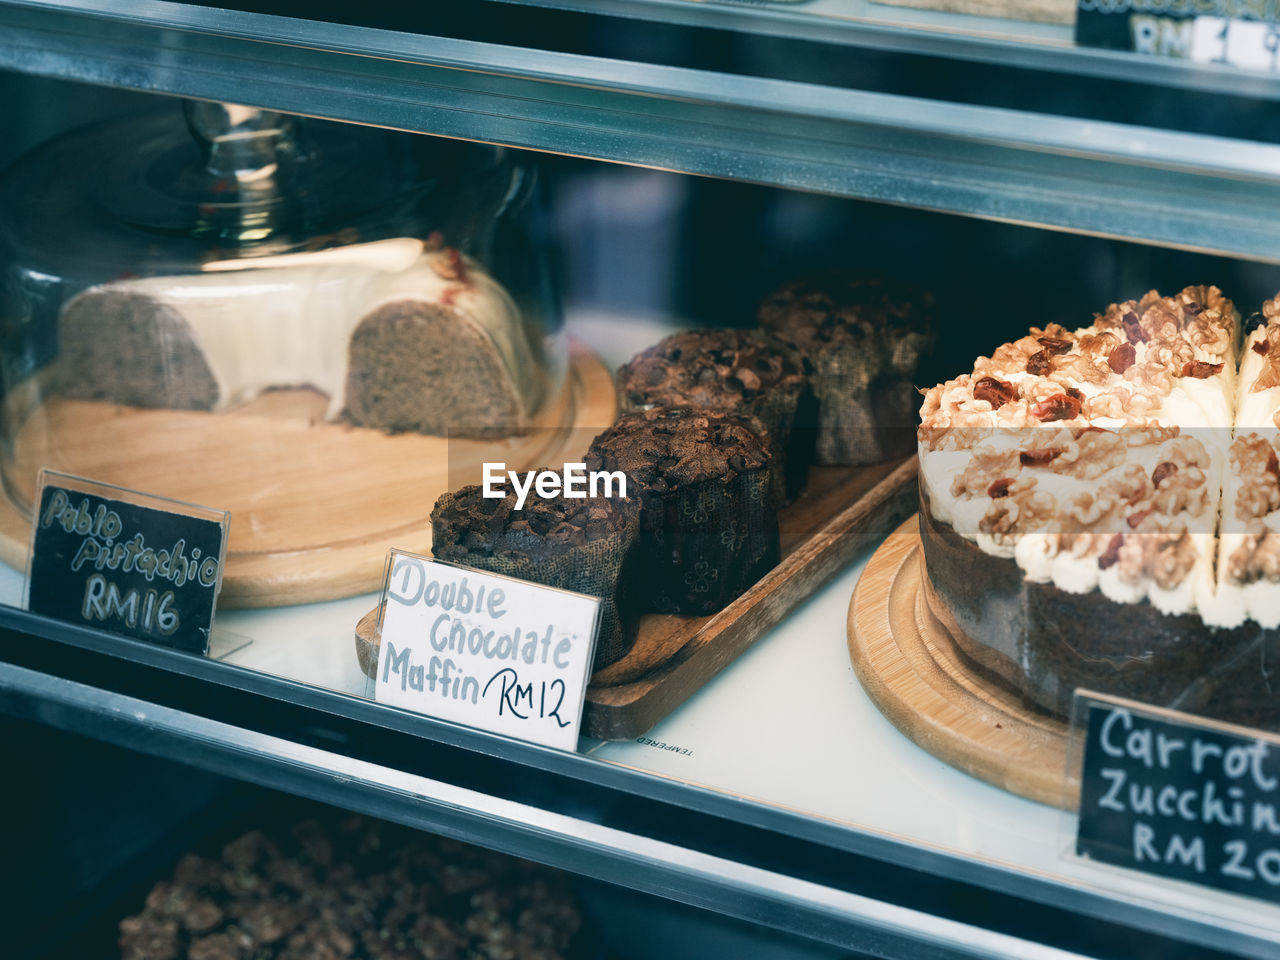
{"type": "Point", "coordinates": [573, 544]}
{"type": "Point", "coordinates": [740, 372]}
{"type": "Point", "coordinates": [862, 341]}
{"type": "Point", "coordinates": [708, 519]}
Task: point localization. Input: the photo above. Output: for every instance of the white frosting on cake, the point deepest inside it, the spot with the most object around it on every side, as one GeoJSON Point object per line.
{"type": "Point", "coordinates": [1256, 410]}
{"type": "Point", "coordinates": [286, 321]}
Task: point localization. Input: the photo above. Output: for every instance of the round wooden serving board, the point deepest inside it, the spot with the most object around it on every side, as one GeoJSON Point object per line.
{"type": "Point", "coordinates": [314, 505]}
{"type": "Point", "coordinates": [908, 662]}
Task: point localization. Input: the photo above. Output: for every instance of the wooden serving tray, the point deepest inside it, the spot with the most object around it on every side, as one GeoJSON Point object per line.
{"type": "Point", "coordinates": [314, 505]}
{"type": "Point", "coordinates": [910, 665]}
{"type": "Point", "coordinates": [842, 512]}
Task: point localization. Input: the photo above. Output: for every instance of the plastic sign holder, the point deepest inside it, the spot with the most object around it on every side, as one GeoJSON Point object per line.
{"type": "Point", "coordinates": [483, 650]}
{"type": "Point", "coordinates": [126, 562]}
{"type": "Point", "coordinates": [1175, 795]}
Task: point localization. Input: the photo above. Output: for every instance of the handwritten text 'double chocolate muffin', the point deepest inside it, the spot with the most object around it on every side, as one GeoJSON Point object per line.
{"type": "Point", "coordinates": [708, 523]}
{"type": "Point", "coordinates": [862, 341]}
{"type": "Point", "coordinates": [574, 544]}
{"type": "Point", "coordinates": [742, 372]}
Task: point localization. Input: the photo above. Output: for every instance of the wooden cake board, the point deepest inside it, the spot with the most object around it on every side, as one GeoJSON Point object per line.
{"type": "Point", "coordinates": [314, 505]}
{"type": "Point", "coordinates": [843, 511]}
{"type": "Point", "coordinates": [909, 664]}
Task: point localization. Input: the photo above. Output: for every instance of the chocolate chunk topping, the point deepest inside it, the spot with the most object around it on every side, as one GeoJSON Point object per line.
{"type": "Point", "coordinates": [1261, 348]}
{"type": "Point", "coordinates": [1162, 471]}
{"type": "Point", "coordinates": [1111, 555]}
{"type": "Point", "coordinates": [715, 369]}
{"type": "Point", "coordinates": [471, 524]}
{"type": "Point", "coordinates": [838, 308]}
{"type": "Point", "coordinates": [1122, 357]}
{"type": "Point", "coordinates": [995, 392]}
{"type": "Point", "coordinates": [1133, 328]}
{"type": "Point", "coordinates": [1055, 345]}
{"type": "Point", "coordinates": [1039, 364]}
{"type": "Point", "coordinates": [669, 447]}
{"type": "Point", "coordinates": [1040, 457]}
{"type": "Point", "coordinates": [1060, 406]}
{"type": "Point", "coordinates": [1135, 519]}
{"type": "Point", "coordinates": [999, 488]}
{"type": "Point", "coordinates": [1200, 370]}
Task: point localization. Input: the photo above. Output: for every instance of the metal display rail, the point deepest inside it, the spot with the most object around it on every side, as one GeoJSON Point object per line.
{"type": "Point", "coordinates": [807, 877]}
{"type": "Point", "coordinates": [1176, 189]}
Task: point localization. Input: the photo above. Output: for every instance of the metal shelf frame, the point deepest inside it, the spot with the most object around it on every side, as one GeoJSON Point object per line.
{"type": "Point", "coordinates": [813, 878]}
{"type": "Point", "coordinates": [870, 25]}
{"type": "Point", "coordinates": [1204, 193]}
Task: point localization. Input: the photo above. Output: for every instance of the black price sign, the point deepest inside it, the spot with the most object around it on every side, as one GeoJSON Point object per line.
{"type": "Point", "coordinates": [1238, 33]}
{"type": "Point", "coordinates": [1171, 795]}
{"type": "Point", "coordinates": [125, 562]}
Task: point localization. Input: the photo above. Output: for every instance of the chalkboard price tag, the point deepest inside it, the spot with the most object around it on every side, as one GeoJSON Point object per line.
{"type": "Point", "coordinates": [487, 651]}
{"type": "Point", "coordinates": [1237, 33]}
{"type": "Point", "coordinates": [1177, 796]}
{"type": "Point", "coordinates": [126, 562]}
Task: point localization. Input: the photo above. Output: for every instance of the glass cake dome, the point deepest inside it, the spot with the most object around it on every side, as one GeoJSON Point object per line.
{"type": "Point", "coordinates": [298, 321]}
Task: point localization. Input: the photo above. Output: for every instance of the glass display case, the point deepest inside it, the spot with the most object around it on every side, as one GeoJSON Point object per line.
{"type": "Point", "coordinates": [691, 159]}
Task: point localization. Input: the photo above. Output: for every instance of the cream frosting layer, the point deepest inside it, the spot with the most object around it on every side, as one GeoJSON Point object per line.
{"type": "Point", "coordinates": [1249, 547]}
{"type": "Point", "coordinates": [1096, 459]}
{"type": "Point", "coordinates": [287, 320]}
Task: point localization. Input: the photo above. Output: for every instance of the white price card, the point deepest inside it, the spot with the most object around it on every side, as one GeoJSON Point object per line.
{"type": "Point", "coordinates": [487, 651]}
{"type": "Point", "coordinates": [1251, 44]}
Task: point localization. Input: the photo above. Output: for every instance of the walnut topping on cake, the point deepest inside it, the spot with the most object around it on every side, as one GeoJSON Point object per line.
{"type": "Point", "coordinates": [1151, 377]}
{"type": "Point", "coordinates": [1023, 508]}
{"type": "Point", "coordinates": [1183, 491]}
{"type": "Point", "coordinates": [1078, 367]}
{"type": "Point", "coordinates": [1257, 558]}
{"type": "Point", "coordinates": [1270, 375]}
{"type": "Point", "coordinates": [1091, 453]}
{"type": "Point", "coordinates": [988, 464]}
{"type": "Point", "coordinates": [1254, 462]}
{"type": "Point", "coordinates": [1076, 437]}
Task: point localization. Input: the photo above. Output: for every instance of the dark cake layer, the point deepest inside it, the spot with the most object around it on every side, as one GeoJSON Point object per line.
{"type": "Point", "coordinates": [708, 523]}
{"type": "Point", "coordinates": [568, 543]}
{"type": "Point", "coordinates": [1046, 642]}
{"type": "Point", "coordinates": [862, 341]}
{"type": "Point", "coordinates": [468, 524]}
{"type": "Point", "coordinates": [741, 372]}
{"type": "Point", "coordinates": [720, 370]}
